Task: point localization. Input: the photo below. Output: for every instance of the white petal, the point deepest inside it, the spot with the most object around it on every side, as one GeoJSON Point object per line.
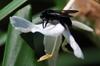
{"type": "Point", "coordinates": [55, 31]}
{"type": "Point", "coordinates": [24, 25]}
{"type": "Point", "coordinates": [81, 26]}
{"type": "Point", "coordinates": [77, 50]}
{"type": "Point", "coordinates": [21, 24]}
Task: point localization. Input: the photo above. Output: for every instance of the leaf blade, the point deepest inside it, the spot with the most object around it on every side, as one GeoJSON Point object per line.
{"type": "Point", "coordinates": [10, 8]}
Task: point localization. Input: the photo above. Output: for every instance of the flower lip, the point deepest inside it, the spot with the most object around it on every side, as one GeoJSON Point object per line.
{"type": "Point", "coordinates": [49, 30]}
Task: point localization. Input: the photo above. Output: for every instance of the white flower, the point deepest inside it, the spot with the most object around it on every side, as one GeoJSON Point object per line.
{"type": "Point", "coordinates": [25, 26]}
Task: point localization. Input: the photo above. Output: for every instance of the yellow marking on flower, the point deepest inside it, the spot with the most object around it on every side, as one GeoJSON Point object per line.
{"type": "Point", "coordinates": [45, 57]}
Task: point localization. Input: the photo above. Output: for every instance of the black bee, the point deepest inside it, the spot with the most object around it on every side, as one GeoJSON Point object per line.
{"type": "Point", "coordinates": [62, 17]}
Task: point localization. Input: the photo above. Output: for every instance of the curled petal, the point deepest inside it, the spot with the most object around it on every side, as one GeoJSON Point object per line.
{"type": "Point", "coordinates": [81, 26]}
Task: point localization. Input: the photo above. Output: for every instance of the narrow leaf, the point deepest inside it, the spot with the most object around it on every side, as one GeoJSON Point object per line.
{"type": "Point", "coordinates": [17, 52]}
{"type": "Point", "coordinates": [10, 7]}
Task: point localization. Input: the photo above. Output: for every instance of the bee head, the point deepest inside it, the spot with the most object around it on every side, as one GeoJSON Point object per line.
{"type": "Point", "coordinates": [45, 13]}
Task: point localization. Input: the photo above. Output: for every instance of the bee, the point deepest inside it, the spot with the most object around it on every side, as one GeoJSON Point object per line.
{"type": "Point", "coordinates": [62, 17]}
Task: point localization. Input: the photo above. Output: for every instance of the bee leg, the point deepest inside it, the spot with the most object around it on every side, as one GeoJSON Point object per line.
{"type": "Point", "coordinates": [43, 24]}
{"type": "Point", "coordinates": [46, 23]}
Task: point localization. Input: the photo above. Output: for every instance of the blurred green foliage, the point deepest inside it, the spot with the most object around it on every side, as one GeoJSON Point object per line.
{"type": "Point", "coordinates": [17, 49]}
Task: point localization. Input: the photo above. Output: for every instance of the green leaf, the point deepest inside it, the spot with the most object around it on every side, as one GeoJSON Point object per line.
{"type": "Point", "coordinates": [26, 56]}
{"type": "Point", "coordinates": [3, 37]}
{"type": "Point", "coordinates": [12, 48]}
{"type": "Point", "coordinates": [92, 57]}
{"type": "Point", "coordinates": [17, 52]}
{"type": "Point", "coordinates": [10, 7]}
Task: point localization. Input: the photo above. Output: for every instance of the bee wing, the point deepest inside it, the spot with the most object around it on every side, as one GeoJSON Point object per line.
{"type": "Point", "coordinates": [69, 11]}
